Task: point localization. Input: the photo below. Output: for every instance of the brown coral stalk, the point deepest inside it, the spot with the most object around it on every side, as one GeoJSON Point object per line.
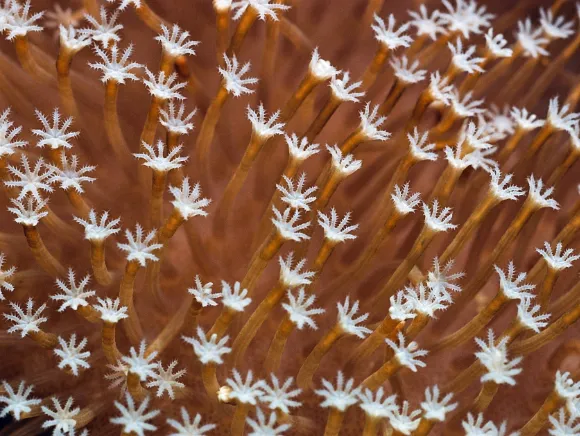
{"type": "Point", "coordinates": [131, 325]}
{"type": "Point", "coordinates": [149, 17]}
{"type": "Point", "coordinates": [112, 124]}
{"type": "Point", "coordinates": [159, 180]}
{"type": "Point", "coordinates": [148, 132]}
{"type": "Point", "coordinates": [370, 74]}
{"type": "Point", "coordinates": [109, 343]}
{"type": "Point", "coordinates": [251, 327]}
{"type": "Point", "coordinates": [63, 63]}
{"type": "Point", "coordinates": [474, 326]}
{"type": "Point", "coordinates": [210, 382]}
{"type": "Point", "coordinates": [400, 275]}
{"type": "Point", "coordinates": [207, 129]}
{"type": "Point", "coordinates": [238, 178]}
{"type": "Point", "coordinates": [322, 118]}
{"type": "Point", "coordinates": [312, 361]}
{"type": "Point", "coordinates": [222, 20]}
{"type": "Point", "coordinates": [381, 375]}
{"type": "Point", "coordinates": [27, 61]}
{"type": "Point", "coordinates": [246, 22]}
{"type": "Point", "coordinates": [539, 420]}
{"type": "Point", "coordinates": [239, 419]}
{"type": "Point", "coordinates": [278, 344]}
{"type": "Point", "coordinates": [485, 396]}
{"type": "Point", "coordinates": [46, 260]}
{"type": "Point", "coordinates": [221, 324]}
{"type": "Point", "coordinates": [45, 340]}
{"type": "Point", "coordinates": [547, 288]}
{"type": "Point", "coordinates": [260, 260]}
{"type": "Point", "coordinates": [172, 328]}
{"type": "Point", "coordinates": [100, 270]}
{"type": "Point", "coordinates": [334, 422]}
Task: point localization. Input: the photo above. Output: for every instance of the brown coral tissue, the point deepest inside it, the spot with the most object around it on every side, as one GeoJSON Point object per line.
{"type": "Point", "coordinates": [289, 217]}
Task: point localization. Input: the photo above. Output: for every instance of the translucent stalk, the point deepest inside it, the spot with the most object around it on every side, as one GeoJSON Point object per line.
{"type": "Point", "coordinates": [150, 18]}
{"type": "Point", "coordinates": [474, 326]}
{"type": "Point", "coordinates": [43, 257]}
{"type": "Point", "coordinates": [237, 180]}
{"type": "Point", "coordinates": [304, 89]}
{"type": "Point", "coordinates": [468, 228]}
{"type": "Point", "coordinates": [548, 334]}
{"type": "Point", "coordinates": [172, 328]}
{"type": "Point", "coordinates": [394, 95]}
{"type": "Point", "coordinates": [371, 426]}
{"type": "Point", "coordinates": [98, 263]}
{"type": "Point", "coordinates": [221, 324]}
{"type": "Point", "coordinates": [108, 342]}
{"type": "Point", "coordinates": [27, 61]}
{"type": "Point", "coordinates": [45, 340]}
{"type": "Point", "coordinates": [148, 132]}
{"type": "Point", "coordinates": [246, 22]}
{"type": "Point", "coordinates": [400, 275]}
{"type": "Point", "coordinates": [63, 63]}
{"type": "Point", "coordinates": [388, 328]}
{"type": "Point", "coordinates": [540, 419]}
{"type": "Point", "coordinates": [223, 33]}
{"type": "Point", "coordinates": [377, 63]}
{"type": "Point", "coordinates": [312, 361]}
{"type": "Point", "coordinates": [265, 253]}
{"type": "Point", "coordinates": [239, 418]}
{"type": "Point", "coordinates": [78, 202]}
{"type": "Point", "coordinates": [207, 129]}
{"type": "Point", "coordinates": [547, 288]}
{"type": "Point", "coordinates": [210, 382]}
{"type": "Point", "coordinates": [381, 375]}
{"type": "Point", "coordinates": [424, 428]}
{"type": "Point", "coordinates": [322, 118]}
{"type": "Point", "coordinates": [112, 124]}
{"type": "Point", "coordinates": [485, 396]}
{"type": "Point", "coordinates": [278, 344]}
{"type": "Point", "coordinates": [334, 422]}
{"type": "Point", "coordinates": [255, 321]}
{"type": "Point", "coordinates": [486, 268]}
{"type": "Point", "coordinates": [131, 325]}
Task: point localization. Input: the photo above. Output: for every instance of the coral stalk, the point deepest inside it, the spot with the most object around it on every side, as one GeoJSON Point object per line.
{"type": "Point", "coordinates": [157, 189]}
{"type": "Point", "coordinates": [239, 419]}
{"type": "Point", "coordinates": [109, 343]}
{"type": "Point", "coordinates": [221, 324]}
{"type": "Point", "coordinates": [209, 379]}
{"type": "Point", "coordinates": [131, 324]}
{"type": "Point", "coordinates": [171, 329]}
{"type": "Point", "coordinates": [379, 59]}
{"type": "Point", "coordinates": [248, 18]}
{"type": "Point", "coordinates": [485, 396]}
{"type": "Point", "coordinates": [278, 344]}
{"type": "Point", "coordinates": [539, 420]}
{"type": "Point", "coordinates": [63, 63]}
{"type": "Point", "coordinates": [381, 375]}
{"type": "Point", "coordinates": [45, 340]}
{"type": "Point", "coordinates": [334, 422]}
{"type": "Point", "coordinates": [255, 321]}
{"type": "Point", "coordinates": [312, 361]}
{"type": "Point", "coordinates": [112, 124]}
{"type": "Point", "coordinates": [44, 258]}
{"type": "Point", "coordinates": [207, 129]}
{"type": "Point", "coordinates": [22, 46]}
{"type": "Point", "coordinates": [100, 270]}
{"type": "Point", "coordinates": [474, 326]}
{"type": "Point", "coordinates": [265, 253]}
{"type": "Point", "coordinates": [400, 275]}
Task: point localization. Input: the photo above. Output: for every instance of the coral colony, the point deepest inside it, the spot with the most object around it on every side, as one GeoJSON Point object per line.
{"type": "Point", "coordinates": [323, 217]}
